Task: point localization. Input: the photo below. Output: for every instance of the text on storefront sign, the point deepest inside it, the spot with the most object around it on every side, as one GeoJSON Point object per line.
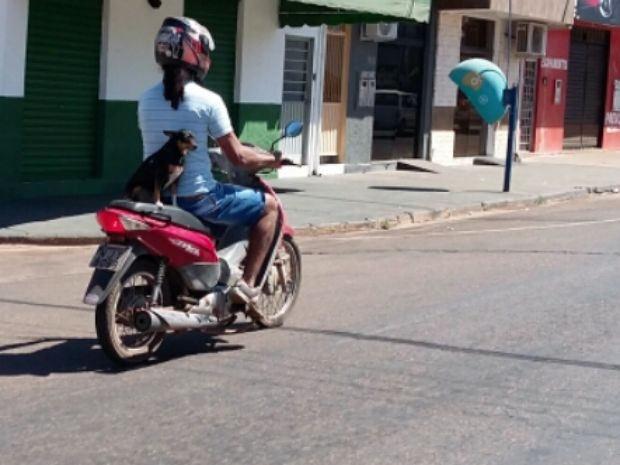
{"type": "Point", "coordinates": [554, 63]}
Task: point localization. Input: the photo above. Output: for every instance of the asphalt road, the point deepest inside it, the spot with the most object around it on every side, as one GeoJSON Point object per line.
{"type": "Point", "coordinates": [492, 340]}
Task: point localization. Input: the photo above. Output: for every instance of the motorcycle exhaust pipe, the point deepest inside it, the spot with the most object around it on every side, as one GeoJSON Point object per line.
{"type": "Point", "coordinates": [162, 320]}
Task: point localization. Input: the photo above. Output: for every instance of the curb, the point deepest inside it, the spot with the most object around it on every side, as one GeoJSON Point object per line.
{"type": "Point", "coordinates": [427, 216]}
{"type": "Point", "coordinates": [51, 241]}
{"type": "Point", "coordinates": [402, 220]}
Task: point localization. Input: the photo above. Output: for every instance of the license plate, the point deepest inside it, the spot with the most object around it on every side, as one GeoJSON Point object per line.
{"type": "Point", "coordinates": [110, 257]}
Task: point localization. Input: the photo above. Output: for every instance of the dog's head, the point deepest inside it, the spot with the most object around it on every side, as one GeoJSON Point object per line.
{"type": "Point", "coordinates": [184, 139]}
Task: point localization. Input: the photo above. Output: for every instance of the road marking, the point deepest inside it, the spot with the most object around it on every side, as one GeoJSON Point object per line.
{"type": "Point", "coordinates": [4, 248]}
{"type": "Point", "coordinates": [575, 224]}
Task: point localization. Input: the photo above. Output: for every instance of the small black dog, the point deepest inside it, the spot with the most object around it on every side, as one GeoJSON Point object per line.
{"type": "Point", "coordinates": [161, 169]}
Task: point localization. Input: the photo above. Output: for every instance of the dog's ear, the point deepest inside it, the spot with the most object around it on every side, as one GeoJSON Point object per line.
{"type": "Point", "coordinates": [169, 133]}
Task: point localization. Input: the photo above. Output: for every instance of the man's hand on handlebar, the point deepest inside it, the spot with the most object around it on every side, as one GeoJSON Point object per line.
{"type": "Point", "coordinates": [283, 161]}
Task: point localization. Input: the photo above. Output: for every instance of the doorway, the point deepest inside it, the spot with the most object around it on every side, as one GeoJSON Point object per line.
{"type": "Point", "coordinates": [585, 90]}
{"type": "Point", "coordinates": [297, 94]}
{"type": "Point", "coordinates": [61, 100]}
{"type": "Point", "coordinates": [470, 131]}
{"type": "Point", "coordinates": [400, 71]}
{"type": "Point", "coordinates": [334, 111]}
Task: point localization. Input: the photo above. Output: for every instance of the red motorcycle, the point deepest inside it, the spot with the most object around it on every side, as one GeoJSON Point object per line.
{"type": "Point", "coordinates": [162, 269]}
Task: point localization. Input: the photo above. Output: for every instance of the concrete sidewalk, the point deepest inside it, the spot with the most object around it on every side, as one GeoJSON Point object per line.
{"type": "Point", "coordinates": [373, 199]}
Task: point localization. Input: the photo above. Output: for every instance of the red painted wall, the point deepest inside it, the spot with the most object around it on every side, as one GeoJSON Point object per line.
{"type": "Point", "coordinates": [611, 131]}
{"type": "Point", "coordinates": [549, 116]}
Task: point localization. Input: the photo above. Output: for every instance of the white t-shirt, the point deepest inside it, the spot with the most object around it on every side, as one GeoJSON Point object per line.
{"type": "Point", "coordinates": [201, 111]}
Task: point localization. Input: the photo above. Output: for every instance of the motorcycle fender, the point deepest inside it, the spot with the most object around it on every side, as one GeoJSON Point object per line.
{"type": "Point", "coordinates": [102, 281]}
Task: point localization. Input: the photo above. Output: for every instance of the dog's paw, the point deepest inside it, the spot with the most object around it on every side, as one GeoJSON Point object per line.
{"type": "Point", "coordinates": [159, 205]}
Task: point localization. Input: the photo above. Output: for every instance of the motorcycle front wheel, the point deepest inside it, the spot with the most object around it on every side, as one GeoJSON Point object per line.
{"type": "Point", "coordinates": [281, 287]}
{"type": "Point", "coordinates": [114, 317]}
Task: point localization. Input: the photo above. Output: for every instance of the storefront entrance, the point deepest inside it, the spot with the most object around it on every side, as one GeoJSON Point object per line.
{"type": "Point", "coordinates": [61, 90]}
{"type": "Point", "coordinates": [585, 92]}
{"type": "Point", "coordinates": [470, 131]}
{"type": "Point", "coordinates": [400, 68]}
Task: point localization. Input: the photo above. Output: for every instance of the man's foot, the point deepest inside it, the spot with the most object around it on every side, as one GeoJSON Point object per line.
{"type": "Point", "coordinates": [244, 293]}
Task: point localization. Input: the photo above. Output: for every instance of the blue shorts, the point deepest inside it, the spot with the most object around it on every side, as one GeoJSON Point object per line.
{"type": "Point", "coordinates": [226, 204]}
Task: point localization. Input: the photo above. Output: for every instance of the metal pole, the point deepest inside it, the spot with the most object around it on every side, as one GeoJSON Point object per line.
{"type": "Point", "coordinates": [509, 42]}
{"type": "Point", "coordinates": [511, 99]}
{"type": "Point", "coordinates": [426, 111]}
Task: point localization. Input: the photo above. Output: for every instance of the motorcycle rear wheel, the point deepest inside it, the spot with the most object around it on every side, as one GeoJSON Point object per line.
{"type": "Point", "coordinates": [114, 316]}
{"type": "Point", "coordinates": [281, 287]}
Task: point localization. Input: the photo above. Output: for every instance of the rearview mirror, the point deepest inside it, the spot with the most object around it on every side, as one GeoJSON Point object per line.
{"type": "Point", "coordinates": [293, 129]}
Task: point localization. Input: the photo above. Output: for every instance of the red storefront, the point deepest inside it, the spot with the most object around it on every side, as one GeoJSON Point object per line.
{"type": "Point", "coordinates": [578, 82]}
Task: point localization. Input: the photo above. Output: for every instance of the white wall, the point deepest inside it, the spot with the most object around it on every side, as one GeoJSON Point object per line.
{"type": "Point", "coordinates": [448, 56]}
{"type": "Point", "coordinates": [260, 65]}
{"type": "Point", "coordinates": [260, 53]}
{"type": "Point", "coordinates": [13, 37]}
{"type": "Point", "coordinates": [498, 135]}
{"type": "Point", "coordinates": [127, 63]}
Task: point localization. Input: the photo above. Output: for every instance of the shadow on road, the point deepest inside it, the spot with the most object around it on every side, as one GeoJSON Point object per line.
{"type": "Point", "coordinates": [457, 349]}
{"type": "Point", "coordinates": [29, 303]}
{"type": "Point", "coordinates": [408, 189]}
{"type": "Point", "coordinates": [57, 355]}
{"type": "Point", "coordinates": [79, 355]}
{"type": "Point", "coordinates": [287, 190]}
{"type": "Point", "coordinates": [47, 208]}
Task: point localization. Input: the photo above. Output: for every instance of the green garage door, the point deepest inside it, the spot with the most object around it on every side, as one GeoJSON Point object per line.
{"type": "Point", "coordinates": [61, 90]}
{"type": "Point", "coordinates": [220, 17]}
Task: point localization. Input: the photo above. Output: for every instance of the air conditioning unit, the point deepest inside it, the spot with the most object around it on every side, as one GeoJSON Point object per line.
{"type": "Point", "coordinates": [531, 39]}
{"type": "Point", "coordinates": [380, 32]}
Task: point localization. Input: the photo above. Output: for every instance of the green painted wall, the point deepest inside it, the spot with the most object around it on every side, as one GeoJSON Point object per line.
{"type": "Point", "coordinates": [61, 89]}
{"type": "Point", "coordinates": [10, 144]}
{"type": "Point", "coordinates": [119, 146]}
{"type": "Point", "coordinates": [118, 152]}
{"type": "Point", "coordinates": [258, 123]}
{"type": "Point", "coordinates": [120, 143]}
{"type": "Point", "coordinates": [220, 17]}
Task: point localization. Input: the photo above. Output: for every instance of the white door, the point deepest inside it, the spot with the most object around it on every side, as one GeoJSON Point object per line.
{"type": "Point", "coordinates": [296, 94]}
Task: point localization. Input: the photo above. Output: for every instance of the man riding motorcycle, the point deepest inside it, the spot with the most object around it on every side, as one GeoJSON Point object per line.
{"type": "Point", "coordinates": [182, 49]}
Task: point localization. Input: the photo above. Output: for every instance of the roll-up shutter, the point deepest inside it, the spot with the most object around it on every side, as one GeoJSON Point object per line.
{"type": "Point", "coordinates": [220, 17]}
{"type": "Point", "coordinates": [585, 92]}
{"type": "Point", "coordinates": [61, 89]}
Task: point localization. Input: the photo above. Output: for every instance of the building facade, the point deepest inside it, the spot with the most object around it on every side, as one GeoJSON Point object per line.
{"type": "Point", "coordinates": [480, 29]}
{"type": "Point", "coordinates": [72, 73]}
{"type": "Point", "coordinates": [76, 68]}
{"type": "Point", "coordinates": [578, 98]}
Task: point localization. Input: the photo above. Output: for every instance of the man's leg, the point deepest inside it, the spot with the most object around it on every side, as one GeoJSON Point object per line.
{"type": "Point", "coordinates": [261, 236]}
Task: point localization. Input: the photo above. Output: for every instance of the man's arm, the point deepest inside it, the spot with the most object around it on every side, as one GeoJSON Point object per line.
{"type": "Point", "coordinates": [244, 156]}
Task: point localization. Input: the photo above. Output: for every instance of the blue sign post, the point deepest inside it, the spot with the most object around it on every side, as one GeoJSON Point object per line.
{"type": "Point", "coordinates": [510, 100]}
{"type": "Point", "coordinates": [486, 88]}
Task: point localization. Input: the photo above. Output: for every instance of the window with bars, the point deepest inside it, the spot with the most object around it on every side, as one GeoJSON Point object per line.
{"type": "Point", "coordinates": [297, 55]}
{"type": "Point", "coordinates": [528, 97]}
